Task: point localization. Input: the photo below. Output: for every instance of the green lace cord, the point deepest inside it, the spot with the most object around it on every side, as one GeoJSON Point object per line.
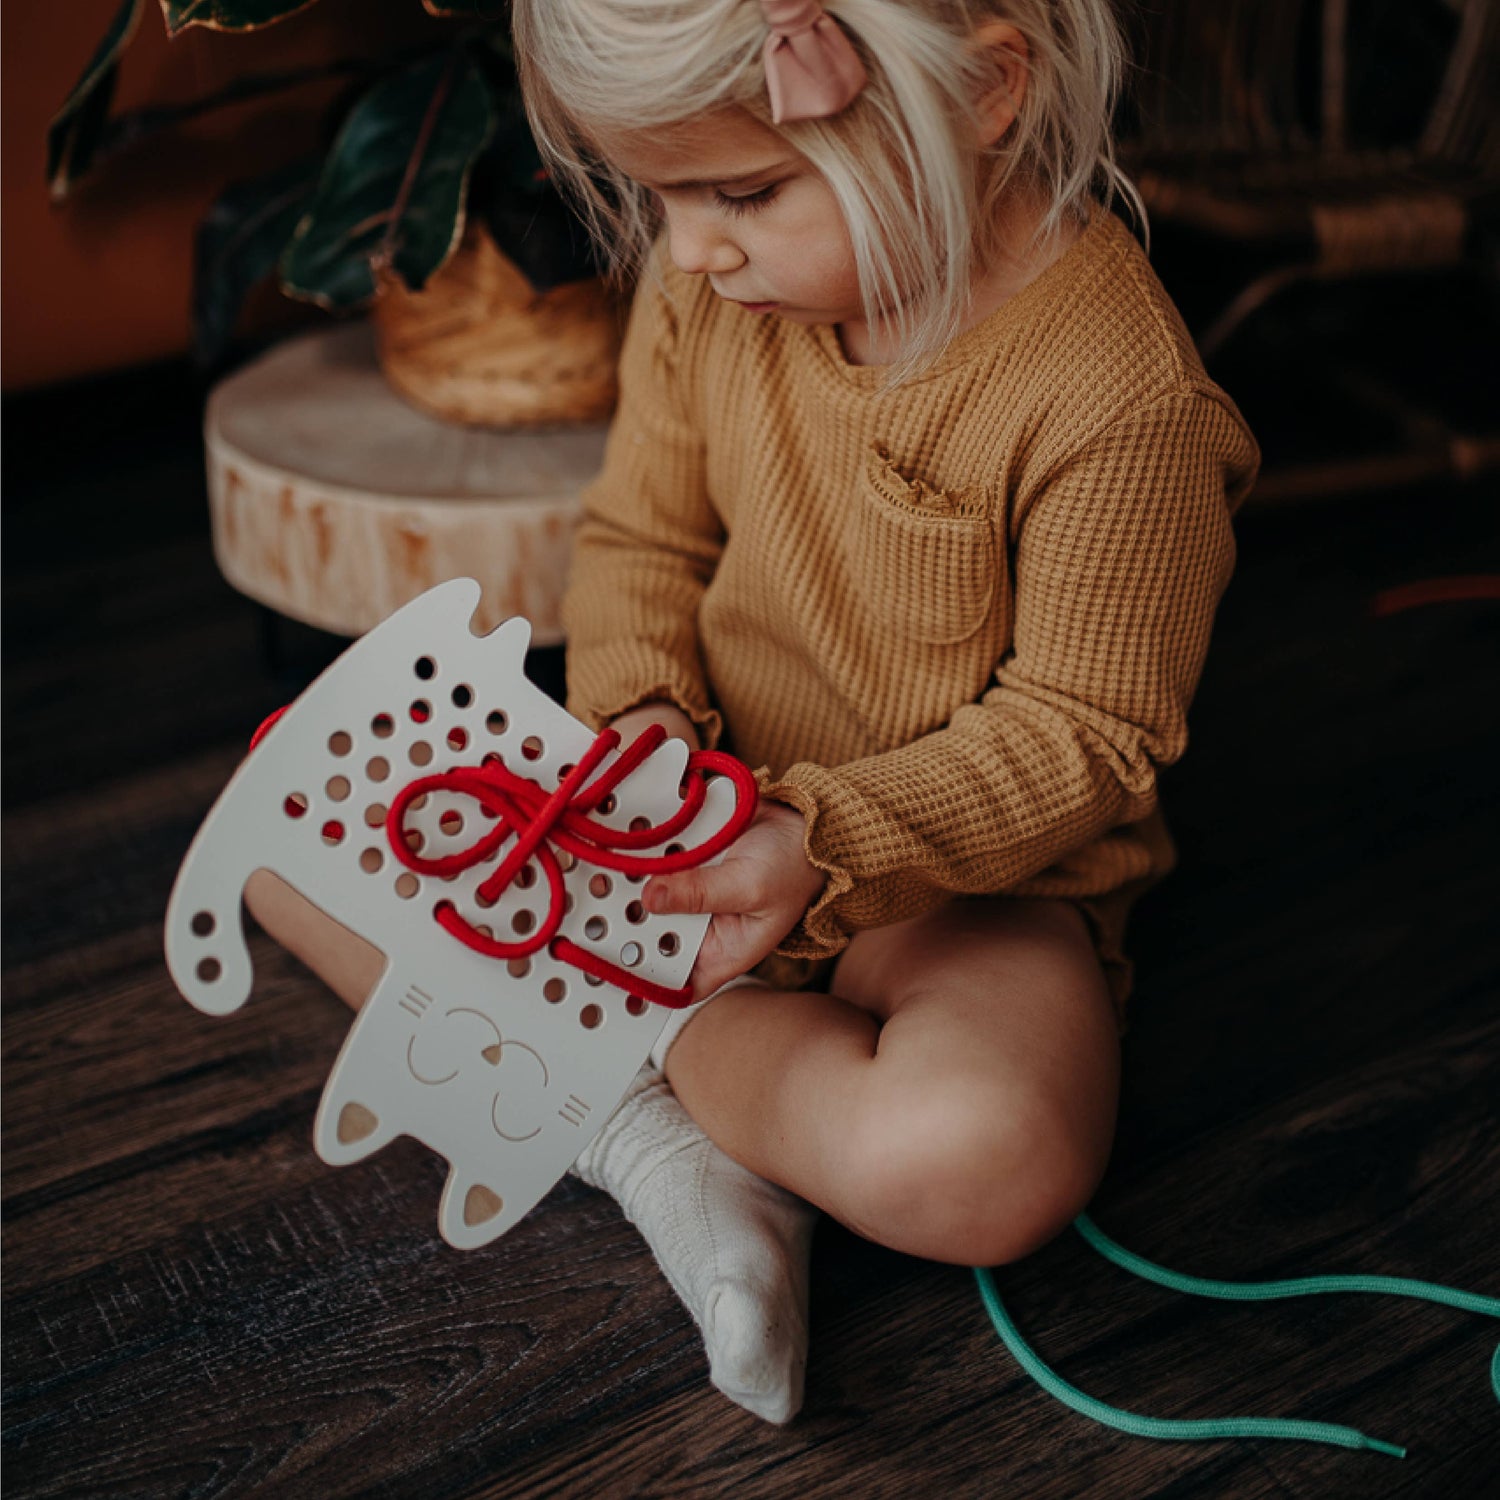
{"type": "Point", "coordinates": [1229, 1291]}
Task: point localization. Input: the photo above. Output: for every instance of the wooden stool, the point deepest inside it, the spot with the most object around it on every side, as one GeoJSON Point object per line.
{"type": "Point", "coordinates": [335, 502]}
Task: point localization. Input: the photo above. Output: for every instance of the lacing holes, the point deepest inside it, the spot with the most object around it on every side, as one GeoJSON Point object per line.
{"type": "Point", "coordinates": [635, 912]}
{"type": "Point", "coordinates": [596, 928]}
{"type": "Point", "coordinates": [414, 840]}
{"type": "Point", "coordinates": [382, 726]}
{"type": "Point", "coordinates": [375, 815]}
{"type": "Point", "coordinates": [483, 900]}
{"type": "Point", "coordinates": [591, 1016]}
{"type": "Point", "coordinates": [526, 877]}
{"type": "Point", "coordinates": [568, 902]}
{"type": "Point", "coordinates": [337, 788]}
{"type": "Point", "coordinates": [420, 753]}
{"type": "Point", "coordinates": [609, 804]}
{"type": "Point", "coordinates": [333, 832]}
{"type": "Point", "coordinates": [523, 921]}
{"type": "Point", "coordinates": [673, 849]}
{"type": "Point", "coordinates": [407, 885]}
{"type": "Point", "coordinates": [565, 861]}
{"type": "Point", "coordinates": [496, 722]}
{"type": "Point", "coordinates": [440, 907]}
{"type": "Point", "coordinates": [639, 824]}
{"type": "Point", "coordinates": [518, 968]}
{"type": "Point", "coordinates": [631, 954]}
{"type": "Point", "coordinates": [532, 747]}
{"type": "Point", "coordinates": [564, 771]}
{"type": "Point", "coordinates": [377, 768]}
{"type": "Point", "coordinates": [462, 695]}
{"type": "Point", "coordinates": [203, 924]}
{"type": "Point", "coordinates": [493, 759]}
{"type": "Point", "coordinates": [668, 943]}
{"type": "Point", "coordinates": [371, 860]}
{"type": "Point", "coordinates": [485, 930]}
{"type": "Point", "coordinates": [682, 786]}
{"type": "Point", "coordinates": [340, 742]}
{"type": "Point", "coordinates": [425, 668]}
{"type": "Point", "coordinates": [592, 979]}
{"type": "Point", "coordinates": [458, 739]}
{"type": "Point", "coordinates": [635, 1005]}
{"type": "Point", "coordinates": [295, 805]}
{"type": "Point", "coordinates": [420, 711]}
{"type": "Point", "coordinates": [600, 885]}
{"type": "Point", "coordinates": [555, 990]}
{"type": "Point", "coordinates": [418, 802]}
{"type": "Point", "coordinates": [209, 969]}
{"type": "Point", "coordinates": [451, 822]}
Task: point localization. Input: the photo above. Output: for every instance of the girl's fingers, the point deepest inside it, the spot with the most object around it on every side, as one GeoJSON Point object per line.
{"type": "Point", "coordinates": [710, 888]}
{"type": "Point", "coordinates": [716, 964]}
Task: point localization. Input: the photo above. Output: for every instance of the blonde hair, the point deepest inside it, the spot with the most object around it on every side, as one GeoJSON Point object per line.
{"type": "Point", "coordinates": [919, 195]}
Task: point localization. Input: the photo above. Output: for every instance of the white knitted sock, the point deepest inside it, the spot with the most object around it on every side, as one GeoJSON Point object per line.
{"type": "Point", "coordinates": [734, 1247]}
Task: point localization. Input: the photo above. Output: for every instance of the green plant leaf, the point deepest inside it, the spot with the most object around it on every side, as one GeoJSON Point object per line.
{"type": "Point", "coordinates": [74, 133]}
{"type": "Point", "coordinates": [228, 15]}
{"type": "Point", "coordinates": [239, 242]}
{"type": "Point", "coordinates": [519, 204]}
{"type": "Point", "coordinates": [393, 191]}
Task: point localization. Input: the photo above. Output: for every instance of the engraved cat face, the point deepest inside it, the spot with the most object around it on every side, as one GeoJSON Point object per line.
{"type": "Point", "coordinates": [459, 1048]}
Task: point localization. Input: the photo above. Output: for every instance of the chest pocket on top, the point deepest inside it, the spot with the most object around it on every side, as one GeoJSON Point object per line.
{"type": "Point", "coordinates": [923, 559]}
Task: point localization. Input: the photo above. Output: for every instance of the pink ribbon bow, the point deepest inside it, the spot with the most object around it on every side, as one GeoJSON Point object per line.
{"type": "Point", "coordinates": [812, 69]}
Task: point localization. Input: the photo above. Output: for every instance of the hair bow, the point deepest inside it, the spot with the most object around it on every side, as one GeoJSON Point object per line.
{"type": "Point", "coordinates": [812, 69]}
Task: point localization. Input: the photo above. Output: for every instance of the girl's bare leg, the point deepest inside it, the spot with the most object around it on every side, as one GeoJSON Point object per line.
{"type": "Point", "coordinates": [953, 1098]}
{"type": "Point", "coordinates": [343, 960]}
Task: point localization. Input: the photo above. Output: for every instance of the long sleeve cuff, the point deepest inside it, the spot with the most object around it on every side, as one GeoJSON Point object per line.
{"type": "Point", "coordinates": [681, 691]}
{"type": "Point", "coordinates": [817, 935]}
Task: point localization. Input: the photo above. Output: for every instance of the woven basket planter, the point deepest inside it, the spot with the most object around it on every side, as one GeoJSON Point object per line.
{"type": "Point", "coordinates": [479, 345]}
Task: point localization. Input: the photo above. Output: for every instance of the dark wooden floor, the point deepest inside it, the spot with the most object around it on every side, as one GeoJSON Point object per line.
{"type": "Point", "coordinates": [195, 1305]}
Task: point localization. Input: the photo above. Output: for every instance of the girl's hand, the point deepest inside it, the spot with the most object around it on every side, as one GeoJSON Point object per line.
{"type": "Point", "coordinates": [757, 893]}
{"type": "Point", "coordinates": [632, 724]}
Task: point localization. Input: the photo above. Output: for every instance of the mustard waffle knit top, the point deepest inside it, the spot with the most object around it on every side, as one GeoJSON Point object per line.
{"type": "Point", "coordinates": [958, 626]}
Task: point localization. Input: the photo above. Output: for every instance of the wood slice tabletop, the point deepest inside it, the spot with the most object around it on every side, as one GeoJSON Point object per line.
{"type": "Point", "coordinates": [335, 502]}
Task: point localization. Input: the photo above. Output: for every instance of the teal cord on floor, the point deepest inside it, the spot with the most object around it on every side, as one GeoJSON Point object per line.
{"type": "Point", "coordinates": [1230, 1291]}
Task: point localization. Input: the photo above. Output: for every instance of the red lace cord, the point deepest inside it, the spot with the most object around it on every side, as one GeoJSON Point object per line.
{"type": "Point", "coordinates": [266, 725]}
{"type": "Point", "coordinates": [561, 817]}
{"type": "Point", "coordinates": [540, 820]}
{"type": "Point", "coordinates": [1465, 586]}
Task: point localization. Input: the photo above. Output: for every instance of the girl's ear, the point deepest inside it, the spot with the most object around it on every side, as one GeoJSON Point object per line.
{"type": "Point", "coordinates": [1010, 54]}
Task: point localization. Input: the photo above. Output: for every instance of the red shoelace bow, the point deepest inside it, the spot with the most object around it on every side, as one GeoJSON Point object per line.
{"type": "Point", "coordinates": [541, 819]}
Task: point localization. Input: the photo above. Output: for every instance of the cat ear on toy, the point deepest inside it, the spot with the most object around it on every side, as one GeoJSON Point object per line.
{"type": "Point", "coordinates": [426, 795]}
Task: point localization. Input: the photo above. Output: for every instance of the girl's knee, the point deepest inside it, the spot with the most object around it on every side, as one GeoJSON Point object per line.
{"type": "Point", "coordinates": [975, 1174]}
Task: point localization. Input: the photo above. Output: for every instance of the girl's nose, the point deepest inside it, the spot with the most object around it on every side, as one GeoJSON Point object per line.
{"type": "Point", "coordinates": [699, 248]}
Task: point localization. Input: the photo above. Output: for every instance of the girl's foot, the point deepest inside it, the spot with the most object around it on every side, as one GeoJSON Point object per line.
{"type": "Point", "coordinates": [734, 1247]}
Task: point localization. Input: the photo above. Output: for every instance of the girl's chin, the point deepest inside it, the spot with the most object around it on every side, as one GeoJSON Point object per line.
{"type": "Point", "coordinates": [797, 314]}
{"type": "Point", "coordinates": [794, 314]}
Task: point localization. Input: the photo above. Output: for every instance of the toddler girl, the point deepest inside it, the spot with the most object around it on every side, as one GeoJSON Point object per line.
{"type": "Point", "coordinates": [917, 500]}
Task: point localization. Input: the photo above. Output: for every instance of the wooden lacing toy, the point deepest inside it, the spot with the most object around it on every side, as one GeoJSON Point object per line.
{"type": "Point", "coordinates": [430, 798]}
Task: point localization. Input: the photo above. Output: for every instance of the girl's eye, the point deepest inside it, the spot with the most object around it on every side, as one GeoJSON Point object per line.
{"type": "Point", "coordinates": [746, 205]}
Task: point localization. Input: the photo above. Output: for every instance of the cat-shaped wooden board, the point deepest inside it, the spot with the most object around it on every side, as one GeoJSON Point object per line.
{"type": "Point", "coordinates": [507, 1068]}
